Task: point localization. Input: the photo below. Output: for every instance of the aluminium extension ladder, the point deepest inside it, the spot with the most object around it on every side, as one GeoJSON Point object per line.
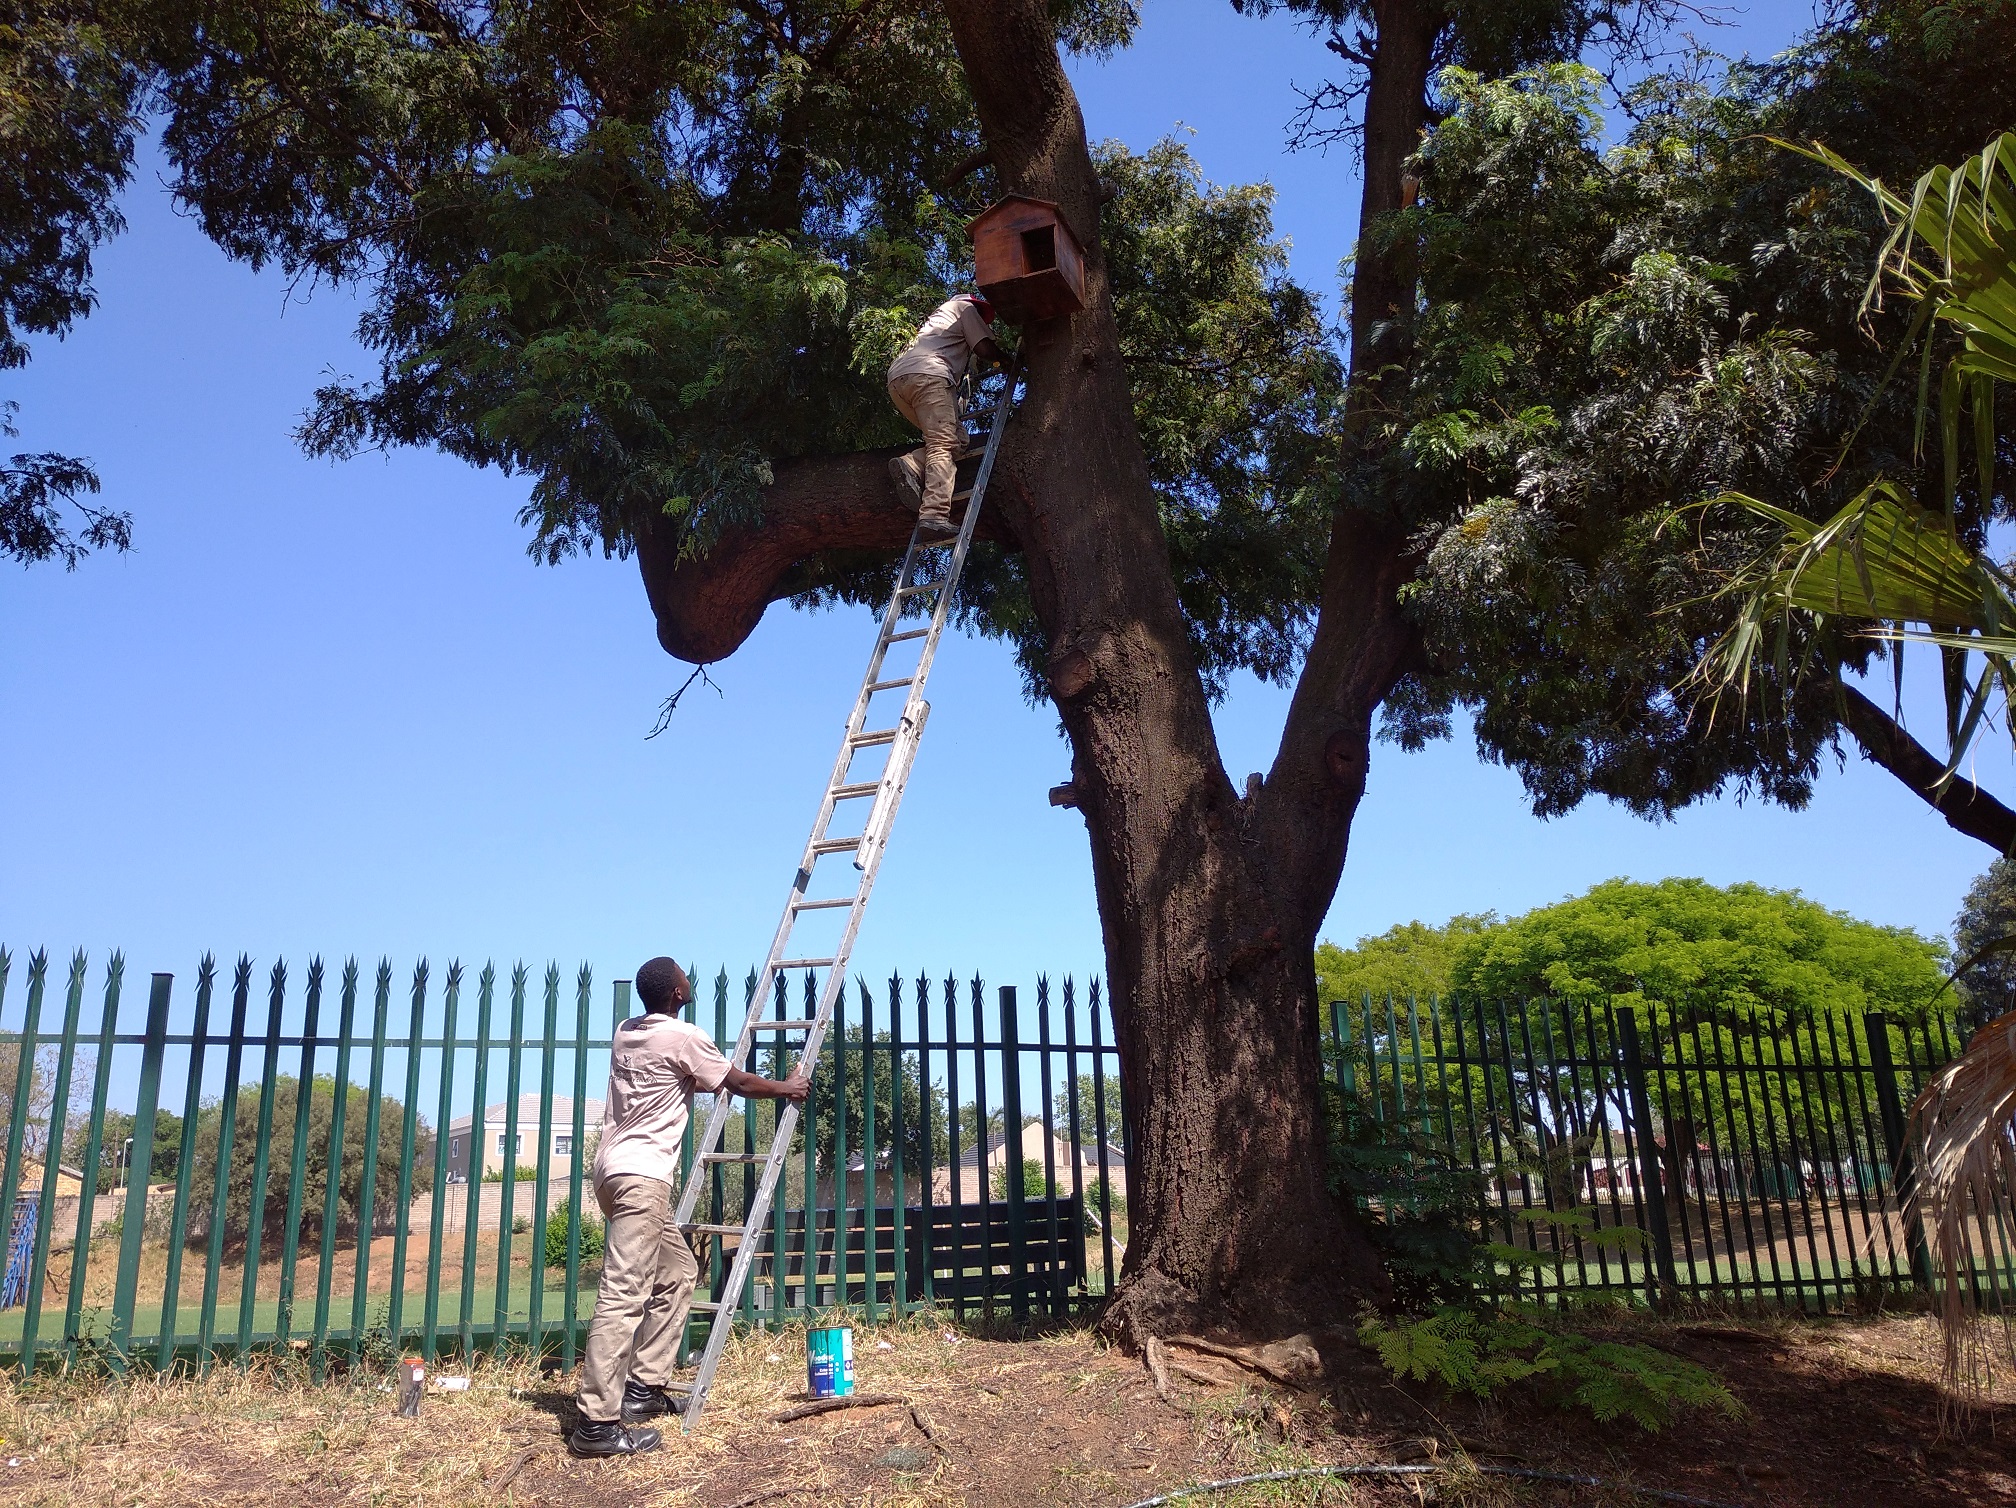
{"type": "Point", "coordinates": [928, 579]}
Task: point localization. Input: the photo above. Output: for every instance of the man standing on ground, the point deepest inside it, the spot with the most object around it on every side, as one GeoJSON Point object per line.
{"type": "Point", "coordinates": [924, 385]}
{"type": "Point", "coordinates": [656, 1064]}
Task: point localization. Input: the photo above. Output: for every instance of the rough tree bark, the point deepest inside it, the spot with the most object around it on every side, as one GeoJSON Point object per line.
{"type": "Point", "coordinates": [1210, 900]}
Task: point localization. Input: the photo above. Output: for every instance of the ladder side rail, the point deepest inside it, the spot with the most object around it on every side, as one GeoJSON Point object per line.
{"type": "Point", "coordinates": [963, 544]}
{"type": "Point", "coordinates": [780, 1146]}
{"type": "Point", "coordinates": [857, 720]}
{"type": "Point", "coordinates": [893, 783]}
{"type": "Point", "coordinates": [883, 815]}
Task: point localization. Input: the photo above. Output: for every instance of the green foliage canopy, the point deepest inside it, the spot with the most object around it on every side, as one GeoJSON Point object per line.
{"type": "Point", "coordinates": [1604, 336]}
{"type": "Point", "coordinates": [1688, 951]}
{"type": "Point", "coordinates": [1407, 960]}
{"type": "Point", "coordinates": [1987, 916]}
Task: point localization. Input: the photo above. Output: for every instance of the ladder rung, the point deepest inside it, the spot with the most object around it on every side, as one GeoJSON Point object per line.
{"type": "Point", "coordinates": [784, 1026]}
{"type": "Point", "coordinates": [908, 633]}
{"type": "Point", "coordinates": [875, 686]}
{"type": "Point", "coordinates": [835, 845]}
{"type": "Point", "coordinates": [849, 792]}
{"type": "Point", "coordinates": [822, 905]}
{"type": "Point", "coordinates": [734, 1156]}
{"type": "Point", "coordinates": [869, 740]}
{"type": "Point", "coordinates": [719, 1230]}
{"type": "Point", "coordinates": [921, 587]}
{"type": "Point", "coordinates": [962, 494]}
{"type": "Point", "coordinates": [804, 963]}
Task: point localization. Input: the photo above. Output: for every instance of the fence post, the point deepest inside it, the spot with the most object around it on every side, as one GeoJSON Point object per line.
{"type": "Point", "coordinates": [1011, 1154]}
{"type": "Point", "coordinates": [139, 1168]}
{"type": "Point", "coordinates": [1652, 1209]}
{"type": "Point", "coordinates": [1876, 1031]}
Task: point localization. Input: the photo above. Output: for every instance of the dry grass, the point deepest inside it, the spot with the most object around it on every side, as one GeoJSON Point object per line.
{"type": "Point", "coordinates": [1841, 1413]}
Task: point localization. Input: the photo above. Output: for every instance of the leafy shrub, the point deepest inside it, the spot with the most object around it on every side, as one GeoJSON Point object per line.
{"type": "Point", "coordinates": [1484, 1354]}
{"type": "Point", "coordinates": [1034, 1184]}
{"type": "Point", "coordinates": [593, 1236]}
{"type": "Point", "coordinates": [523, 1175]}
{"type": "Point", "coordinates": [1423, 1210]}
{"type": "Point", "coordinates": [1116, 1198]}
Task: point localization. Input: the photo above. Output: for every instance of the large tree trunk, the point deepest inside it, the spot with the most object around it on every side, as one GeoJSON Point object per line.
{"type": "Point", "coordinates": [1210, 899]}
{"type": "Point", "coordinates": [1209, 940]}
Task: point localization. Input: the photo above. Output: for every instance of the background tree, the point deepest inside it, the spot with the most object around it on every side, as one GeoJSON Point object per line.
{"type": "Point", "coordinates": [1087, 1092]}
{"type": "Point", "coordinates": [1715, 975]}
{"type": "Point", "coordinates": [1409, 960]}
{"type": "Point", "coordinates": [1987, 915]}
{"type": "Point", "coordinates": [112, 1164]}
{"type": "Point", "coordinates": [315, 1178]}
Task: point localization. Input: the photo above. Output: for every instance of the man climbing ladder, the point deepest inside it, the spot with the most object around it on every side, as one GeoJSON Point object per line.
{"type": "Point", "coordinates": [924, 386]}
{"type": "Point", "coordinates": [925, 583]}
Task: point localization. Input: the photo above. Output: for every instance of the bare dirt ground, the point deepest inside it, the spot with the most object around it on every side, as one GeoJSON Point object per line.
{"type": "Point", "coordinates": [1837, 1412]}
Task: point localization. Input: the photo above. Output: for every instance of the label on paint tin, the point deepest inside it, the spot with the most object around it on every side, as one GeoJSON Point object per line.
{"type": "Point", "coordinates": [829, 1362]}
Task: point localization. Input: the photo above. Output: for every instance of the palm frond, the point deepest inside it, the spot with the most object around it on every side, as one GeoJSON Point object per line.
{"type": "Point", "coordinates": [1962, 1193]}
{"type": "Point", "coordinates": [1899, 572]}
{"type": "Point", "coordinates": [1952, 245]}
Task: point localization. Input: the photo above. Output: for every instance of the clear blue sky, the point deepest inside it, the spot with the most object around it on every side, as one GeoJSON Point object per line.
{"type": "Point", "coordinates": [334, 708]}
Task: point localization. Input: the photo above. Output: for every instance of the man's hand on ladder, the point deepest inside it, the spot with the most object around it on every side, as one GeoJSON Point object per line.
{"type": "Point", "coordinates": [794, 1088]}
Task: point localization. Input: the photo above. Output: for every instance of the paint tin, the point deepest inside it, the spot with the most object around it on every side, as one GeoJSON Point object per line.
{"type": "Point", "coordinates": [829, 1361]}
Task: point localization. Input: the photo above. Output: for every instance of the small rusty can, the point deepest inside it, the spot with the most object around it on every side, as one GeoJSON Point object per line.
{"type": "Point", "coordinates": [412, 1379]}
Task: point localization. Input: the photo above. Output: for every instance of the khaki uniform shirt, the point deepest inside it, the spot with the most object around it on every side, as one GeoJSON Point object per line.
{"type": "Point", "coordinates": [656, 1065]}
{"type": "Point", "coordinates": [945, 344]}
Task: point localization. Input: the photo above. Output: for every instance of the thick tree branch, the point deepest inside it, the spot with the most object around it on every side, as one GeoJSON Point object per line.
{"type": "Point", "coordinates": [1965, 806]}
{"type": "Point", "coordinates": [1363, 643]}
{"type": "Point", "coordinates": [966, 167]}
{"type": "Point", "coordinates": [707, 604]}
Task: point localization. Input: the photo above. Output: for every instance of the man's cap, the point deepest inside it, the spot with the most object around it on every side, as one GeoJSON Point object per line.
{"type": "Point", "coordinates": [986, 308]}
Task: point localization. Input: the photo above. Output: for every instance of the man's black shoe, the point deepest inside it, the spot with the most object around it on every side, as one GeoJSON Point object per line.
{"type": "Point", "coordinates": [609, 1437]}
{"type": "Point", "coordinates": [643, 1401]}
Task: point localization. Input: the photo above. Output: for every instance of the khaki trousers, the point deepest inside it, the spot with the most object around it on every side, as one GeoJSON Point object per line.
{"type": "Point", "coordinates": [932, 404]}
{"type": "Point", "coordinates": [648, 1273]}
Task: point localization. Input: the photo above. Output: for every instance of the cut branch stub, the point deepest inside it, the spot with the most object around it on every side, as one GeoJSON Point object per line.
{"type": "Point", "coordinates": [1344, 757]}
{"type": "Point", "coordinates": [1071, 674]}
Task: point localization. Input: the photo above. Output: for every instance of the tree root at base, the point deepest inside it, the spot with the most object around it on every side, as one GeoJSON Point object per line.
{"type": "Point", "coordinates": [852, 1401]}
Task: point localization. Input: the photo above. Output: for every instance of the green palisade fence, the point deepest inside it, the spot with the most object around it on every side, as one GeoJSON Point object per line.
{"type": "Point", "coordinates": [1746, 1158]}
{"type": "Point", "coordinates": [301, 1167]}
{"type": "Point", "coordinates": [282, 1142]}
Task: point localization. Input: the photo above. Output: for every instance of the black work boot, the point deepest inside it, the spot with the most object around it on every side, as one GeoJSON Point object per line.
{"type": "Point", "coordinates": [610, 1437]}
{"type": "Point", "coordinates": [642, 1400]}
{"type": "Point", "coordinates": [909, 484]}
